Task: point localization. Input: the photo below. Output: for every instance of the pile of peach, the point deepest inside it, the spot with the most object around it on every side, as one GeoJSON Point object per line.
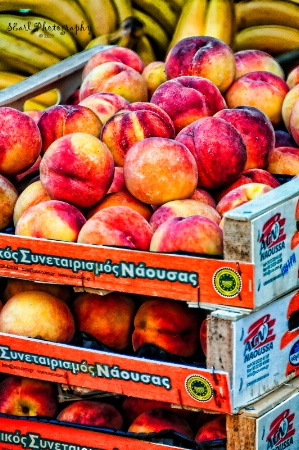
{"type": "Point", "coordinates": [22, 396]}
{"type": "Point", "coordinates": [151, 158]}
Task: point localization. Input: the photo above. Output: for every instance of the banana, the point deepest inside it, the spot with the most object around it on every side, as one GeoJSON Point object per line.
{"type": "Point", "coordinates": [25, 54]}
{"type": "Point", "coordinates": [67, 13]}
{"type": "Point", "coordinates": [219, 22]}
{"type": "Point", "coordinates": [154, 31]}
{"type": "Point", "coordinates": [191, 21]}
{"type": "Point", "coordinates": [101, 15]}
{"type": "Point", "coordinates": [9, 78]}
{"type": "Point", "coordinates": [123, 10]}
{"type": "Point", "coordinates": [39, 31]}
{"type": "Point", "coordinates": [273, 39]}
{"type": "Point", "coordinates": [145, 50]}
{"type": "Point", "coordinates": [162, 11]}
{"type": "Point", "coordinates": [266, 12]}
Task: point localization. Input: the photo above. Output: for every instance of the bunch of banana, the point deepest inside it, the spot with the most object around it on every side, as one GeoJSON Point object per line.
{"type": "Point", "coordinates": [268, 25]}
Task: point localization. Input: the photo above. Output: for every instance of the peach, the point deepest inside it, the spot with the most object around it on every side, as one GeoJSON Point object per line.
{"type": "Point", "coordinates": [114, 54]}
{"type": "Point", "coordinates": [92, 413]}
{"type": "Point", "coordinates": [108, 318]}
{"type": "Point", "coordinates": [52, 219]}
{"type": "Point", "coordinates": [8, 199]}
{"type": "Point", "coordinates": [157, 170]}
{"type": "Point", "coordinates": [159, 419]}
{"type": "Point", "coordinates": [288, 104]}
{"type": "Point", "coordinates": [284, 139]}
{"type": "Point", "coordinates": [35, 114]}
{"type": "Point", "coordinates": [168, 324]}
{"type": "Point", "coordinates": [121, 198]}
{"type": "Point", "coordinates": [203, 196]}
{"type": "Point", "coordinates": [15, 285]}
{"type": "Point", "coordinates": [219, 193]}
{"type": "Point", "coordinates": [256, 130]}
{"type": "Point", "coordinates": [115, 77]}
{"type": "Point", "coordinates": [18, 132]}
{"type": "Point", "coordinates": [117, 226]}
{"type": "Point", "coordinates": [33, 194]}
{"type": "Point", "coordinates": [195, 234]}
{"type": "Point", "coordinates": [125, 128]}
{"type": "Point", "coordinates": [77, 168]}
{"type": "Point", "coordinates": [203, 56]}
{"type": "Point", "coordinates": [154, 74]}
{"type": "Point", "coordinates": [294, 121]}
{"type": "Point", "coordinates": [188, 98]}
{"type": "Point", "coordinates": [261, 89]}
{"type": "Point", "coordinates": [240, 195]}
{"type": "Point", "coordinates": [27, 174]}
{"type": "Point", "coordinates": [22, 396]}
{"type": "Point", "coordinates": [55, 321]}
{"type": "Point", "coordinates": [218, 148]}
{"type": "Point", "coordinates": [59, 120]}
{"type": "Point", "coordinates": [182, 208]}
{"type": "Point", "coordinates": [104, 104]}
{"type": "Point", "coordinates": [252, 60]}
{"type": "Point", "coordinates": [118, 182]}
{"type": "Point", "coordinates": [214, 429]}
{"type": "Point", "coordinates": [293, 77]}
{"type": "Point", "coordinates": [148, 106]}
{"type": "Point", "coordinates": [284, 161]}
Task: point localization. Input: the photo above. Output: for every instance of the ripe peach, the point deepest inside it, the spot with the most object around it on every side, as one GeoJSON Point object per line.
{"type": "Point", "coordinates": [288, 104]}
{"type": "Point", "coordinates": [55, 321]}
{"type": "Point", "coordinates": [33, 171]}
{"type": "Point", "coordinates": [92, 413]}
{"type": "Point", "coordinates": [182, 208]}
{"type": "Point", "coordinates": [33, 194]}
{"type": "Point", "coordinates": [117, 225]}
{"type": "Point", "coordinates": [261, 89]}
{"type": "Point", "coordinates": [118, 182]}
{"type": "Point", "coordinates": [8, 199]}
{"type": "Point", "coordinates": [148, 106]}
{"type": "Point", "coordinates": [22, 396]}
{"type": "Point", "coordinates": [157, 170]}
{"type": "Point", "coordinates": [218, 148]}
{"type": "Point", "coordinates": [188, 98]}
{"type": "Point", "coordinates": [52, 219]}
{"type": "Point", "coordinates": [35, 114]}
{"type": "Point", "coordinates": [284, 161]}
{"type": "Point", "coordinates": [104, 104]}
{"type": "Point", "coordinates": [125, 128]}
{"type": "Point", "coordinates": [212, 430]}
{"type": "Point", "coordinates": [18, 133]}
{"type": "Point", "coordinates": [252, 60]}
{"type": "Point", "coordinates": [114, 54]}
{"type": "Point", "coordinates": [293, 77]}
{"type": "Point", "coordinates": [204, 236]}
{"type": "Point", "coordinates": [115, 77]}
{"type": "Point", "coordinates": [108, 318]}
{"type": "Point", "coordinates": [203, 196]}
{"type": "Point", "coordinates": [15, 285]}
{"type": "Point", "coordinates": [294, 121]}
{"type": "Point", "coordinates": [256, 130]}
{"type": "Point", "coordinates": [154, 74]}
{"type": "Point", "coordinates": [159, 419]}
{"type": "Point", "coordinates": [203, 56]}
{"type": "Point", "coordinates": [121, 198]}
{"type": "Point", "coordinates": [59, 120]}
{"type": "Point", "coordinates": [77, 168]}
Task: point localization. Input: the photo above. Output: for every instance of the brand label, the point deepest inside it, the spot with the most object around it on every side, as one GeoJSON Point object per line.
{"type": "Point", "coordinates": [281, 431]}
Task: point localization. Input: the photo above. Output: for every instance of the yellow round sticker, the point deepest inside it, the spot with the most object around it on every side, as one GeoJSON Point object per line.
{"type": "Point", "coordinates": [227, 282]}
{"type": "Point", "coordinates": [199, 388]}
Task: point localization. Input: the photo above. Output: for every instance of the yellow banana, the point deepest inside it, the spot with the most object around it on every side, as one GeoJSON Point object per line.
{"type": "Point", "coordinates": [40, 31]}
{"type": "Point", "coordinates": [162, 11]}
{"type": "Point", "coordinates": [219, 22]}
{"type": "Point", "coordinates": [123, 10]}
{"type": "Point", "coordinates": [273, 39]}
{"type": "Point", "coordinates": [266, 12]}
{"type": "Point", "coordinates": [145, 50]}
{"type": "Point", "coordinates": [154, 31]}
{"type": "Point", "coordinates": [67, 13]}
{"type": "Point", "coordinates": [191, 21]}
{"type": "Point", "coordinates": [101, 15]}
{"type": "Point", "coordinates": [9, 78]}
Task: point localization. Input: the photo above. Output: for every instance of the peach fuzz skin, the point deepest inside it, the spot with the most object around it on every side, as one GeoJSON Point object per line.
{"type": "Point", "coordinates": [203, 196]}
{"type": "Point", "coordinates": [115, 77]}
{"type": "Point", "coordinates": [284, 161]}
{"type": "Point", "coordinates": [157, 170]}
{"type": "Point", "coordinates": [204, 236]}
{"type": "Point", "coordinates": [203, 56]}
{"type": "Point", "coordinates": [104, 104]}
{"type": "Point", "coordinates": [59, 120]}
{"type": "Point", "coordinates": [293, 77]}
{"type": "Point", "coordinates": [77, 168]}
{"type": "Point", "coordinates": [117, 225]}
{"type": "Point", "coordinates": [213, 142]}
{"type": "Point", "coordinates": [15, 285]}
{"type": "Point", "coordinates": [22, 396]}
{"type": "Point", "coordinates": [154, 75]}
{"type": "Point", "coordinates": [118, 182]}
{"type": "Point", "coordinates": [18, 131]}
{"type": "Point", "coordinates": [256, 130]}
{"type": "Point", "coordinates": [55, 321]}
{"type": "Point", "coordinates": [260, 89]}
{"type": "Point", "coordinates": [288, 105]}
{"type": "Point", "coordinates": [33, 194]}
{"type": "Point", "coordinates": [109, 318]}
{"type": "Point", "coordinates": [8, 199]}
{"type": "Point", "coordinates": [188, 98]}
{"type": "Point", "coordinates": [294, 122]}
{"type": "Point", "coordinates": [52, 219]}
{"type": "Point", "coordinates": [93, 413]}
{"type": "Point", "coordinates": [253, 60]}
